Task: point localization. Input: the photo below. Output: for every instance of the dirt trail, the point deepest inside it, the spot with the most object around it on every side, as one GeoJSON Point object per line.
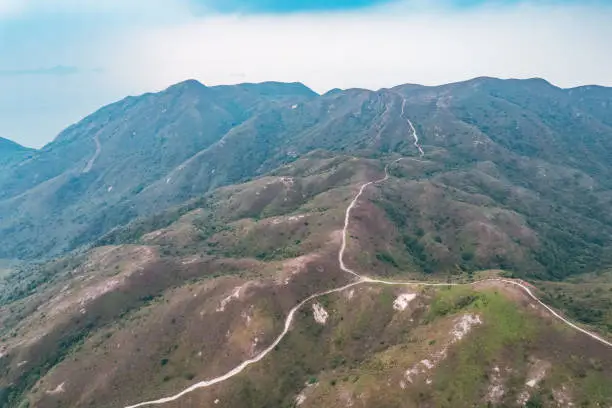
{"type": "Point", "coordinates": [555, 314]}
{"type": "Point", "coordinates": [246, 363]}
{"type": "Point", "coordinates": [91, 161]}
{"type": "Point", "coordinates": [360, 280]}
{"type": "Point", "coordinates": [523, 287]}
{"type": "Point", "coordinates": [289, 320]}
{"type": "Point", "coordinates": [414, 132]}
{"type": "Point", "coordinates": [347, 217]}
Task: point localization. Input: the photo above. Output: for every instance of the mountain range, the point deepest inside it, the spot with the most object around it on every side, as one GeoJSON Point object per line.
{"type": "Point", "coordinates": [536, 154]}
{"type": "Point", "coordinates": [200, 216]}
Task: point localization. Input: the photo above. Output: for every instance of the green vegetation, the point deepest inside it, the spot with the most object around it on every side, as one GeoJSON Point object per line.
{"type": "Point", "coordinates": [586, 298]}
{"type": "Point", "coordinates": [509, 337]}
{"type": "Point", "coordinates": [453, 299]}
{"type": "Point", "coordinates": [461, 378]}
{"type": "Point", "coordinates": [387, 258]}
{"type": "Point", "coordinates": [27, 279]}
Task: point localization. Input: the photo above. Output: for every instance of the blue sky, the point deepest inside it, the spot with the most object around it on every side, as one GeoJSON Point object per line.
{"type": "Point", "coordinates": [291, 6]}
{"type": "Point", "coordinates": [62, 59]}
{"type": "Point", "coordinates": [284, 6]}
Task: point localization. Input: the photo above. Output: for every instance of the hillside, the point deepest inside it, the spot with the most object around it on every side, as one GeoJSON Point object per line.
{"type": "Point", "coordinates": [86, 180]}
{"type": "Point", "coordinates": [261, 245]}
{"type": "Point", "coordinates": [213, 289]}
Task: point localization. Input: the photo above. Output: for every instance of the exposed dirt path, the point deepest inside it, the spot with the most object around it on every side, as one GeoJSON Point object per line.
{"type": "Point", "coordinates": [246, 363]}
{"type": "Point", "coordinates": [289, 320]}
{"type": "Point", "coordinates": [347, 218]}
{"type": "Point", "coordinates": [523, 287]}
{"type": "Point", "coordinates": [414, 132]}
{"type": "Point", "coordinates": [360, 280]}
{"type": "Point", "coordinates": [91, 161]}
{"type": "Point", "coordinates": [555, 314]}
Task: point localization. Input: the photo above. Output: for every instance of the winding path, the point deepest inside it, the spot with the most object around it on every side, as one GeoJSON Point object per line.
{"type": "Point", "coordinates": [91, 161]}
{"type": "Point", "coordinates": [289, 320]}
{"type": "Point", "coordinates": [360, 280]}
{"type": "Point", "coordinates": [508, 281]}
{"type": "Point", "coordinates": [414, 132]}
{"type": "Point", "coordinates": [347, 217]}
{"type": "Point", "coordinates": [246, 363]}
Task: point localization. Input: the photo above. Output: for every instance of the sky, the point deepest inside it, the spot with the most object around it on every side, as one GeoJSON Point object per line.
{"type": "Point", "coordinates": [60, 60]}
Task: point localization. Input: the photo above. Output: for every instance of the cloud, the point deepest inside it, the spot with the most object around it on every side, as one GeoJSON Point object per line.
{"type": "Point", "coordinates": [8, 7]}
{"type": "Point", "coordinates": [566, 44]}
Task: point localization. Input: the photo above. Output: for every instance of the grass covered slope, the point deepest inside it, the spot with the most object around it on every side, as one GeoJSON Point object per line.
{"type": "Point", "coordinates": [214, 285]}
{"type": "Point", "coordinates": [447, 348]}
{"type": "Point", "coordinates": [49, 313]}
{"type": "Point", "coordinates": [368, 346]}
{"type": "Point", "coordinates": [586, 298]}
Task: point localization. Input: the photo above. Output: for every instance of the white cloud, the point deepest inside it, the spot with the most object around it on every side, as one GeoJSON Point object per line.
{"type": "Point", "coordinates": [9, 7]}
{"type": "Point", "coordinates": [568, 45]}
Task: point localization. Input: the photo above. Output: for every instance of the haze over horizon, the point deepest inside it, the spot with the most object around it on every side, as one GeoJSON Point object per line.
{"type": "Point", "coordinates": [62, 60]}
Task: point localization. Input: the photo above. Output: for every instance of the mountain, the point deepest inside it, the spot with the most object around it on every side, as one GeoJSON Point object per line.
{"type": "Point", "coordinates": [274, 234]}
{"type": "Point", "coordinates": [87, 180]}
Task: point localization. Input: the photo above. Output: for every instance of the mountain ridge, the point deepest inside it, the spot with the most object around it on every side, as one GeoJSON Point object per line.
{"type": "Point", "coordinates": [586, 87]}
{"type": "Point", "coordinates": [11, 152]}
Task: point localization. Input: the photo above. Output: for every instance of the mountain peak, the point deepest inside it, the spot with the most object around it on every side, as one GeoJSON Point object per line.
{"type": "Point", "coordinates": [278, 88]}
{"type": "Point", "coordinates": [534, 82]}
{"type": "Point", "coordinates": [9, 145]}
{"type": "Point", "coordinates": [333, 91]}
{"type": "Point", "coordinates": [11, 152]}
{"type": "Point", "coordinates": [186, 85]}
